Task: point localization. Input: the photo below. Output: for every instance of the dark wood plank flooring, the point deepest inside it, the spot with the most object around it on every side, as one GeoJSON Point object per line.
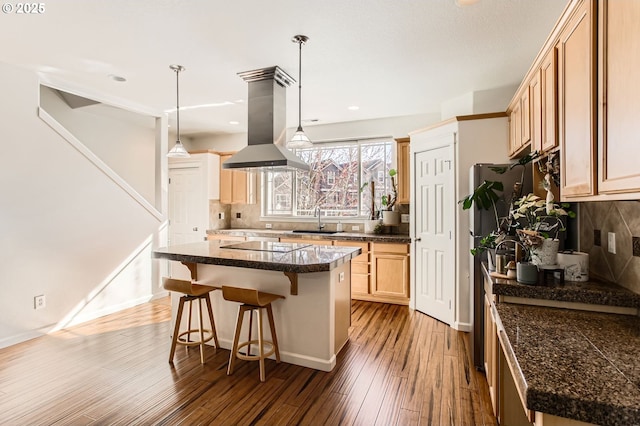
{"type": "Point", "coordinates": [400, 367]}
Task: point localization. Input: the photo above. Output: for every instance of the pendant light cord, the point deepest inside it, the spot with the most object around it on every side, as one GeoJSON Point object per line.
{"type": "Point", "coordinates": [177, 70]}
{"type": "Point", "coordinates": [300, 85]}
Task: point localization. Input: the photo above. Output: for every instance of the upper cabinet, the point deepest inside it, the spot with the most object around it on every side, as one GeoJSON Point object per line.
{"type": "Point", "coordinates": [584, 100]}
{"type": "Point", "coordinates": [549, 92]}
{"type": "Point", "coordinates": [576, 103]}
{"type": "Point", "coordinates": [403, 169]}
{"type": "Point", "coordinates": [618, 97]}
{"type": "Point", "coordinates": [236, 187]}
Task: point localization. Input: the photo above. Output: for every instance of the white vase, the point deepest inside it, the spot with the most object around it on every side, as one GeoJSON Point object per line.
{"type": "Point", "coordinates": [547, 253]}
{"type": "Point", "coordinates": [527, 273]}
{"type": "Point", "coordinates": [370, 226]}
{"type": "Point", "coordinates": [389, 217]}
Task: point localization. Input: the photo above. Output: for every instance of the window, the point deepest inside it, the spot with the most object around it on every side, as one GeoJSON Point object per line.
{"type": "Point", "coordinates": [338, 171]}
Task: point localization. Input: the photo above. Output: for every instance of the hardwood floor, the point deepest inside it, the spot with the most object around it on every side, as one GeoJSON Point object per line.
{"type": "Point", "coordinates": [400, 368]}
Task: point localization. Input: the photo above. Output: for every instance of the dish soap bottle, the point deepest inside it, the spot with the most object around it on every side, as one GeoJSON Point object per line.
{"type": "Point", "coordinates": [339, 227]}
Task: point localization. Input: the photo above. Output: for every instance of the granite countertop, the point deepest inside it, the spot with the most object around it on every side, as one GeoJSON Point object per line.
{"type": "Point", "coordinates": [589, 292]}
{"type": "Point", "coordinates": [342, 236]}
{"type": "Point", "coordinates": [574, 364]}
{"type": "Point", "coordinates": [290, 257]}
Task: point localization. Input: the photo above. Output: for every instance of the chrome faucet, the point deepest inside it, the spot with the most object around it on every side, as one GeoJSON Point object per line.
{"type": "Point", "coordinates": [317, 213]}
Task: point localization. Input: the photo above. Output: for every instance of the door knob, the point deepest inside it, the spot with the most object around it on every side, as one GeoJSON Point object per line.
{"type": "Point", "coordinates": [418, 239]}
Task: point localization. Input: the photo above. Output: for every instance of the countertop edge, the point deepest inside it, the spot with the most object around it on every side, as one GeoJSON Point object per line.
{"type": "Point", "coordinates": [341, 236]}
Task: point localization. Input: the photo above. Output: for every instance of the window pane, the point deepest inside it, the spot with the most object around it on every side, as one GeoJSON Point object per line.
{"type": "Point", "coordinates": [333, 184]}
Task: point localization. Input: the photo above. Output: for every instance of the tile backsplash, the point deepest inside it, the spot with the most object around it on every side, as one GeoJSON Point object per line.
{"type": "Point", "coordinates": [597, 220]}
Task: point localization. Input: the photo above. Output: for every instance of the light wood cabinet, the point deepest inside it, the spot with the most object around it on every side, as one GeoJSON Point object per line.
{"type": "Point", "coordinates": [576, 106]}
{"type": "Point", "coordinates": [525, 118]}
{"type": "Point", "coordinates": [360, 269]}
{"type": "Point", "coordinates": [618, 96]}
{"type": "Point", "coordinates": [390, 272]}
{"type": "Point", "coordinates": [236, 187]}
{"type": "Point", "coordinates": [491, 348]}
{"type": "Point", "coordinates": [535, 94]}
{"type": "Point", "coordinates": [515, 129]}
{"type": "Point", "coordinates": [549, 92]}
{"type": "Point", "coordinates": [403, 168]}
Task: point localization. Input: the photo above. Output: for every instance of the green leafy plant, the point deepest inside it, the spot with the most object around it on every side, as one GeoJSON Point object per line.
{"type": "Point", "coordinates": [389, 200]}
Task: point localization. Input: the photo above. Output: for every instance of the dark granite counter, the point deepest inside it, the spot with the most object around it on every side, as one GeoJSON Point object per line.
{"type": "Point", "coordinates": [291, 257]}
{"type": "Point", "coordinates": [574, 364]}
{"type": "Point", "coordinates": [589, 292]}
{"type": "Point", "coordinates": [339, 236]}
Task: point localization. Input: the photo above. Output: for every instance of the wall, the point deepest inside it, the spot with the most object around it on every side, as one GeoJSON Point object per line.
{"type": "Point", "coordinates": [395, 127]}
{"type": "Point", "coordinates": [622, 218]}
{"type": "Point", "coordinates": [67, 230]}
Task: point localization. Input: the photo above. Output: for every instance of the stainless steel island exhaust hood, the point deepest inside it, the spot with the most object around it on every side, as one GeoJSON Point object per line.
{"type": "Point", "coordinates": [266, 124]}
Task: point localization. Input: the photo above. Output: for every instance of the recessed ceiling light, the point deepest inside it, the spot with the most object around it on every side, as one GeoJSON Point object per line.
{"type": "Point", "coordinates": [117, 78]}
{"type": "Point", "coordinates": [234, 122]}
{"type": "Point", "coordinates": [353, 108]}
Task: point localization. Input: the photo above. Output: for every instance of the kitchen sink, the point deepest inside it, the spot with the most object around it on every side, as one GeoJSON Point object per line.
{"type": "Point", "coordinates": [312, 231]}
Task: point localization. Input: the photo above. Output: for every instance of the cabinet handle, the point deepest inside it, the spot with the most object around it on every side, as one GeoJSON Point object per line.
{"type": "Point", "coordinates": [195, 228]}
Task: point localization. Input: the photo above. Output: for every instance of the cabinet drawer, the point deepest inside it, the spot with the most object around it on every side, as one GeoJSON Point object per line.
{"type": "Point", "coordinates": [222, 237]}
{"type": "Point", "coordinates": [362, 257]}
{"type": "Point", "coordinates": [360, 283]}
{"type": "Point", "coordinates": [400, 248]}
{"type": "Point", "coordinates": [359, 267]}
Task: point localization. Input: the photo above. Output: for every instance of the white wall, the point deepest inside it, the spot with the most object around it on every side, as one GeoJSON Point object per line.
{"type": "Point", "coordinates": [108, 132]}
{"type": "Point", "coordinates": [397, 127]}
{"type": "Point", "coordinates": [67, 230]}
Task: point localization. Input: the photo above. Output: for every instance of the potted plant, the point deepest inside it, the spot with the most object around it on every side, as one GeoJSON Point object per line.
{"type": "Point", "coordinates": [539, 224]}
{"type": "Point", "coordinates": [371, 225]}
{"type": "Point", "coordinates": [487, 196]}
{"type": "Point", "coordinates": [390, 216]}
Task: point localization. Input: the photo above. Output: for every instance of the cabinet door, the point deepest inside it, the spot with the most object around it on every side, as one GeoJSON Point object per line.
{"type": "Point", "coordinates": [549, 86]}
{"type": "Point", "coordinates": [515, 129]}
{"type": "Point", "coordinates": [390, 275]}
{"type": "Point", "coordinates": [619, 96]}
{"type": "Point", "coordinates": [404, 161]}
{"type": "Point", "coordinates": [360, 273]}
{"type": "Point", "coordinates": [525, 116]}
{"type": "Point", "coordinates": [226, 181]}
{"type": "Point", "coordinates": [576, 104]}
{"type": "Point", "coordinates": [535, 93]}
{"type": "Point", "coordinates": [491, 348]}
{"type": "Point", "coordinates": [238, 187]}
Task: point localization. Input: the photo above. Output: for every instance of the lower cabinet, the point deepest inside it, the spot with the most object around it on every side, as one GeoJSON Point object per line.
{"type": "Point", "coordinates": [390, 271]}
{"type": "Point", "coordinates": [491, 349]}
{"type": "Point", "coordinates": [360, 269]}
{"type": "Point", "coordinates": [380, 273]}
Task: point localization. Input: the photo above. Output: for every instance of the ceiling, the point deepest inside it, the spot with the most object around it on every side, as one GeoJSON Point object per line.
{"type": "Point", "coordinates": [388, 57]}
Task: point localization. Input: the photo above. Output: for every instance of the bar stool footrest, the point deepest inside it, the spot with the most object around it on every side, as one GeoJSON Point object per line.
{"type": "Point", "coordinates": [267, 354]}
{"type": "Point", "coordinates": [184, 342]}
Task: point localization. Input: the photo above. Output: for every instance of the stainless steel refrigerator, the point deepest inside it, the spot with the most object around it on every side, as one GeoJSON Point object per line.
{"type": "Point", "coordinates": [482, 222]}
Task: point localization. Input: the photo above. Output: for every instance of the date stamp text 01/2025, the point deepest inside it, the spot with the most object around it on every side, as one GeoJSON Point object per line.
{"type": "Point", "coordinates": [23, 8]}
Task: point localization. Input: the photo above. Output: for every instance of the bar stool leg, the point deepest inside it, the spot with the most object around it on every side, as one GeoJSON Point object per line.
{"type": "Point", "coordinates": [201, 330]}
{"type": "Point", "coordinates": [213, 323]}
{"type": "Point", "coordinates": [261, 344]}
{"type": "Point", "coordinates": [250, 330]}
{"type": "Point", "coordinates": [189, 322]}
{"type": "Point", "coordinates": [272, 326]}
{"type": "Point", "coordinates": [236, 339]}
{"type": "Point", "coordinates": [176, 330]}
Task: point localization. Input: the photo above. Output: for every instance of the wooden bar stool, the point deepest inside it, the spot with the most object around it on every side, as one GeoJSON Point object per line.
{"type": "Point", "coordinates": [190, 293]}
{"type": "Point", "coordinates": [252, 300]}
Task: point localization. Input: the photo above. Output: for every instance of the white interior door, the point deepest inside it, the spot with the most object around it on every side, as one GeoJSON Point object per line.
{"type": "Point", "coordinates": [434, 244]}
{"type": "Point", "coordinates": [186, 206]}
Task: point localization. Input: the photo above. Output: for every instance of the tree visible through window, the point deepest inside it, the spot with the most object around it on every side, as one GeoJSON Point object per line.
{"type": "Point", "coordinates": [338, 171]}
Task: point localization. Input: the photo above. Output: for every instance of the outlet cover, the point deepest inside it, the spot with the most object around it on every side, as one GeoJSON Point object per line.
{"type": "Point", "coordinates": [238, 215]}
{"type": "Point", "coordinates": [267, 225]}
{"type": "Point", "coordinates": [597, 237]}
{"type": "Point", "coordinates": [404, 218]}
{"type": "Point", "coordinates": [636, 245]}
{"type": "Point", "coordinates": [611, 242]}
{"type": "Point", "coordinates": [39, 302]}
{"type": "Point", "coordinates": [355, 228]}
{"type": "Point", "coordinates": [221, 215]}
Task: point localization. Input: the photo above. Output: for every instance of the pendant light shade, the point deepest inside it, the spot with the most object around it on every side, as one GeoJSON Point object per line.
{"type": "Point", "coordinates": [178, 151]}
{"type": "Point", "coordinates": [299, 139]}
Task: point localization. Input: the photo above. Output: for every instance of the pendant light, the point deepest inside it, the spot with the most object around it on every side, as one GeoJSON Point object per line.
{"type": "Point", "coordinates": [178, 151]}
{"type": "Point", "coordinates": [299, 139]}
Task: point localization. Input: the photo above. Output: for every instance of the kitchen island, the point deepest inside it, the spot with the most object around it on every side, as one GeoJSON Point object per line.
{"type": "Point", "coordinates": [312, 321]}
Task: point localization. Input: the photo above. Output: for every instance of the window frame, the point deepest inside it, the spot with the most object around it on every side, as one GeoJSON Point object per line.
{"type": "Point", "coordinates": [294, 184]}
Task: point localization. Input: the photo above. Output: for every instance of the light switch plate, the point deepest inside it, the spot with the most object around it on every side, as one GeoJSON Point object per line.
{"type": "Point", "coordinates": [611, 242]}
